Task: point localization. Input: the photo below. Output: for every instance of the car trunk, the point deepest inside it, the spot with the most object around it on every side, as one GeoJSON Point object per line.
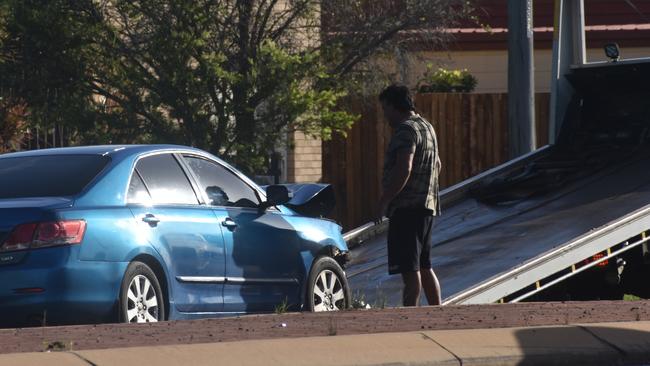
{"type": "Point", "coordinates": [18, 211]}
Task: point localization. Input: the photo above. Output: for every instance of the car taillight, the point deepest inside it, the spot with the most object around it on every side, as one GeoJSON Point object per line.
{"type": "Point", "coordinates": [20, 238]}
{"type": "Point", "coordinates": [45, 234]}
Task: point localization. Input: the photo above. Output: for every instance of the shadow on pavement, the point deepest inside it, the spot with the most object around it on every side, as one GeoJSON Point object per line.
{"type": "Point", "coordinates": [583, 345]}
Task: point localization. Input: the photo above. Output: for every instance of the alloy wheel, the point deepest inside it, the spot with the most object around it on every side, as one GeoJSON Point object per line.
{"type": "Point", "coordinates": [142, 304]}
{"type": "Point", "coordinates": [328, 292]}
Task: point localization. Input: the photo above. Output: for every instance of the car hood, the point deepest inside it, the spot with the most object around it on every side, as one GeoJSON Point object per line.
{"type": "Point", "coordinates": [311, 199]}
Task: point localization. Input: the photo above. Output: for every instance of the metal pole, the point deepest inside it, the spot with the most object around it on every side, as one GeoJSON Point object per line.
{"type": "Point", "coordinates": [568, 49]}
{"type": "Point", "coordinates": [521, 82]}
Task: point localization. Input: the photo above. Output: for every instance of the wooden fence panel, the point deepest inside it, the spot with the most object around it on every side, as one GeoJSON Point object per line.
{"type": "Point", "coordinates": [472, 131]}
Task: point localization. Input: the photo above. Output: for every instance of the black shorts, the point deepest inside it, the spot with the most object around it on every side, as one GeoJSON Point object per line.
{"type": "Point", "coordinates": [409, 240]}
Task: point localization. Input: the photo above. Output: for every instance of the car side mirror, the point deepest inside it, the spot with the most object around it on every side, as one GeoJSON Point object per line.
{"type": "Point", "coordinates": [276, 195]}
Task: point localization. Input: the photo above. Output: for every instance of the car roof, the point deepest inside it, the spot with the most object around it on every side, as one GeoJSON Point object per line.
{"type": "Point", "coordinates": [100, 150]}
{"type": "Point", "coordinates": [121, 153]}
{"type": "Point", "coordinates": [116, 152]}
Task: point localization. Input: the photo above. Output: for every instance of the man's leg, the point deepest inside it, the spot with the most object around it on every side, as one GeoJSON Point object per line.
{"type": "Point", "coordinates": [411, 294]}
{"type": "Point", "coordinates": [431, 286]}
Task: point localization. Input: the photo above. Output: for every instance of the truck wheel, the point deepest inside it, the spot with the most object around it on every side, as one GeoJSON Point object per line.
{"type": "Point", "coordinates": [141, 298]}
{"type": "Point", "coordinates": [327, 286]}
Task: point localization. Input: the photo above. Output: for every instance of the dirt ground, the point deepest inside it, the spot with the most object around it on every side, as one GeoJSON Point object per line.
{"type": "Point", "coordinates": [318, 324]}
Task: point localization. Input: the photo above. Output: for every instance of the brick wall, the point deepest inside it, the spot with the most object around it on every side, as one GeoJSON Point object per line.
{"type": "Point", "coordinates": [304, 161]}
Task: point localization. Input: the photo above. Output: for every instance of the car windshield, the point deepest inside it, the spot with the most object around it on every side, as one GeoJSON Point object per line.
{"type": "Point", "coordinates": [48, 176]}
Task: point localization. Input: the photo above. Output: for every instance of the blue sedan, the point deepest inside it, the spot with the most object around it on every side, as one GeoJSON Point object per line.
{"type": "Point", "coordinates": [144, 233]}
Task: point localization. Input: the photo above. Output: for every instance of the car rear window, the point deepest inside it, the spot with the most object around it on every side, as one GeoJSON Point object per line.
{"type": "Point", "coordinates": [48, 176]}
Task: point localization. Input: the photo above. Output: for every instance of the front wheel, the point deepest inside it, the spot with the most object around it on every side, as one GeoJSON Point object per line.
{"type": "Point", "coordinates": [141, 298]}
{"type": "Point", "coordinates": [327, 287]}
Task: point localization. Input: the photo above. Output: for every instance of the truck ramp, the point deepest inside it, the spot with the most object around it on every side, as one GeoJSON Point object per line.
{"type": "Point", "coordinates": [528, 236]}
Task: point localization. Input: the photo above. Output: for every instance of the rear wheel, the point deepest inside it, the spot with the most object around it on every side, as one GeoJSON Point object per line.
{"type": "Point", "coordinates": [141, 297]}
{"type": "Point", "coordinates": [327, 287]}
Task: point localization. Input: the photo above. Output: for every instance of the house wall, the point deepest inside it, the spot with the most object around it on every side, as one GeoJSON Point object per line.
{"type": "Point", "coordinates": [304, 159]}
{"type": "Point", "coordinates": [491, 67]}
{"type": "Point", "coordinates": [303, 153]}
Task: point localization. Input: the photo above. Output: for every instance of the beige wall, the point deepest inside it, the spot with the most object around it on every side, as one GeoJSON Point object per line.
{"type": "Point", "coordinates": [491, 67]}
{"type": "Point", "coordinates": [304, 161]}
{"type": "Point", "coordinates": [303, 154]}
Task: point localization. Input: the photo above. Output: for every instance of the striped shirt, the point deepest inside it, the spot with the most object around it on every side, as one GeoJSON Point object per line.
{"type": "Point", "coordinates": [421, 189]}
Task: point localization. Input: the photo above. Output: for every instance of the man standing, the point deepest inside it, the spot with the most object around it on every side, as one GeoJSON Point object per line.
{"type": "Point", "coordinates": [410, 195]}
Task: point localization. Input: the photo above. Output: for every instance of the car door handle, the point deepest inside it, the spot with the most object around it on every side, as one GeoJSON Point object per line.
{"type": "Point", "coordinates": [229, 223]}
{"type": "Point", "coordinates": [151, 219]}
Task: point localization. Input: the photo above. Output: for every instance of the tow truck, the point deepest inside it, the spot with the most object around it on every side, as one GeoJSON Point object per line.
{"type": "Point", "coordinates": [568, 221]}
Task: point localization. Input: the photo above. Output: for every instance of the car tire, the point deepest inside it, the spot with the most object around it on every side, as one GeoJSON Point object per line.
{"type": "Point", "coordinates": [141, 297]}
{"type": "Point", "coordinates": [327, 287]}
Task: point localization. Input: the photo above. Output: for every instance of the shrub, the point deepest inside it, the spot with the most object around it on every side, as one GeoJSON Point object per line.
{"type": "Point", "coordinates": [446, 81]}
{"type": "Point", "coordinates": [12, 126]}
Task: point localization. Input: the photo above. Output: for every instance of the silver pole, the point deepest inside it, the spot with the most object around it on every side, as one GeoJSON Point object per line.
{"type": "Point", "coordinates": [521, 82]}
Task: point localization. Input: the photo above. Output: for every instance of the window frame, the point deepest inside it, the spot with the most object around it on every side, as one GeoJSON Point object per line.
{"type": "Point", "coordinates": [136, 173]}
{"type": "Point", "coordinates": [261, 196]}
{"type": "Point", "coordinates": [175, 155]}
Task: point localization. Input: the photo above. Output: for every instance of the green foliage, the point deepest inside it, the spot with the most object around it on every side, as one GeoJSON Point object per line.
{"type": "Point", "coordinates": [446, 81]}
{"type": "Point", "coordinates": [12, 127]}
{"type": "Point", "coordinates": [56, 346]}
{"type": "Point", "coordinates": [381, 299]}
{"type": "Point", "coordinates": [233, 77]}
{"type": "Point", "coordinates": [41, 60]}
{"type": "Point", "coordinates": [282, 307]}
{"type": "Point", "coordinates": [359, 300]}
{"type": "Point", "coordinates": [628, 297]}
{"type": "Point", "coordinates": [169, 71]}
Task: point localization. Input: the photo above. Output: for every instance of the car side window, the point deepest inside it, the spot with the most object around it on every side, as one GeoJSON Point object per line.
{"type": "Point", "coordinates": [222, 187]}
{"type": "Point", "coordinates": [138, 192]}
{"type": "Point", "coordinates": [166, 180]}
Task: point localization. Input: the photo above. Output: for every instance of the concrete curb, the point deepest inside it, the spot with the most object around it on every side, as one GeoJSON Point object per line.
{"type": "Point", "coordinates": [594, 344]}
{"type": "Point", "coordinates": [301, 325]}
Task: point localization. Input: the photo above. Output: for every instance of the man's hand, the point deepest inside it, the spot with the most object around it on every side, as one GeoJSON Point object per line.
{"type": "Point", "coordinates": [396, 181]}
{"type": "Point", "coordinates": [381, 212]}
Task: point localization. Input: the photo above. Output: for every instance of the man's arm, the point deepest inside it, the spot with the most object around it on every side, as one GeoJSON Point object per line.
{"type": "Point", "coordinates": [396, 181]}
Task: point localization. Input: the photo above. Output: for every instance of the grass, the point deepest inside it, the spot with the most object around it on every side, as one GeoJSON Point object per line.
{"type": "Point", "coordinates": [282, 307]}
{"type": "Point", "coordinates": [56, 346]}
{"type": "Point", "coordinates": [628, 297]}
{"type": "Point", "coordinates": [381, 300]}
{"type": "Point", "coordinates": [359, 300]}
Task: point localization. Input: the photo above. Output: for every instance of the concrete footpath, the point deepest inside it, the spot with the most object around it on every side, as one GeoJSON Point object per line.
{"type": "Point", "coordinates": [621, 343]}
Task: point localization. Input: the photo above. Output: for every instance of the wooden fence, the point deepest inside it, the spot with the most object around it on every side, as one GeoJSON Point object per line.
{"type": "Point", "coordinates": [472, 132]}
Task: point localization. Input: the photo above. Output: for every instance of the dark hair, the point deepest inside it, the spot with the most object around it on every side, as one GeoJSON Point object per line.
{"type": "Point", "coordinates": [398, 96]}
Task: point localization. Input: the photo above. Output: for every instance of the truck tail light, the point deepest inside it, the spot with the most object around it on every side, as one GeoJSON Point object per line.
{"type": "Point", "coordinates": [595, 258]}
{"type": "Point", "coordinates": [598, 256]}
{"type": "Point", "coordinates": [45, 234]}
